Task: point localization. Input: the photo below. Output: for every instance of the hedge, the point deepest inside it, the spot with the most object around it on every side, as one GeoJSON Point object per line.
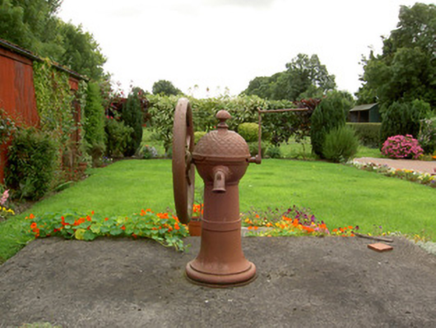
{"type": "Point", "coordinates": [368, 133]}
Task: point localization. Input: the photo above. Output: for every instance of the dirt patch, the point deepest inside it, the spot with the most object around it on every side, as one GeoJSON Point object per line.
{"type": "Point", "coordinates": [301, 282]}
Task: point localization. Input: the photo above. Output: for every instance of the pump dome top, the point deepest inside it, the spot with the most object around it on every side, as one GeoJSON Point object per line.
{"type": "Point", "coordinates": [222, 143]}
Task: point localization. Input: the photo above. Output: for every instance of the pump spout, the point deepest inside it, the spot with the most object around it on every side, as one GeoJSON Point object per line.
{"type": "Point", "coordinates": [219, 179]}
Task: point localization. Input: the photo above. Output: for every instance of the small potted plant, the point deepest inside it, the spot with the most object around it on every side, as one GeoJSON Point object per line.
{"type": "Point", "coordinates": [195, 222]}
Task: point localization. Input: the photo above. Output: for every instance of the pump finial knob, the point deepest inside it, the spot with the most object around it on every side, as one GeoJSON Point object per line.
{"type": "Point", "coordinates": [223, 116]}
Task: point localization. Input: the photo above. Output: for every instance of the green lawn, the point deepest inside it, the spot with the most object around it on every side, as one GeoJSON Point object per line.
{"type": "Point", "coordinates": [337, 194]}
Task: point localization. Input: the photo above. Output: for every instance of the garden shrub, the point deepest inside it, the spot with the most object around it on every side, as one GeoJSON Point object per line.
{"type": "Point", "coordinates": [147, 152]}
{"type": "Point", "coordinates": [340, 144]}
{"type": "Point", "coordinates": [427, 135]}
{"type": "Point", "coordinates": [401, 147]}
{"type": "Point", "coordinates": [31, 163]}
{"type": "Point", "coordinates": [198, 135]}
{"type": "Point", "coordinates": [254, 148]}
{"type": "Point", "coordinates": [94, 123]}
{"type": "Point", "coordinates": [132, 116]}
{"type": "Point", "coordinates": [329, 114]}
{"type": "Point", "coordinates": [273, 152]}
{"type": "Point", "coordinates": [368, 133]}
{"type": "Point", "coordinates": [401, 118]}
{"type": "Point", "coordinates": [249, 131]}
{"type": "Point", "coordinates": [118, 137]}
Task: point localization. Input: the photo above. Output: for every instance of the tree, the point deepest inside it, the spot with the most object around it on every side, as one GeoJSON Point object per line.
{"type": "Point", "coordinates": [34, 26]}
{"type": "Point", "coordinates": [401, 118]}
{"type": "Point", "coordinates": [81, 52]}
{"type": "Point", "coordinates": [132, 116]}
{"type": "Point", "coordinates": [304, 77]}
{"type": "Point", "coordinates": [406, 69]}
{"type": "Point", "coordinates": [95, 122]}
{"type": "Point", "coordinates": [165, 87]}
{"type": "Point", "coordinates": [328, 115]}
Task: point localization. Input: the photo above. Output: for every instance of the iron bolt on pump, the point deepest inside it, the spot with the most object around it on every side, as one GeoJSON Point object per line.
{"type": "Point", "coordinates": [221, 158]}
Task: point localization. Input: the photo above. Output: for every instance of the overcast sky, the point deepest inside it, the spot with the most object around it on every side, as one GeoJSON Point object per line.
{"type": "Point", "coordinates": [220, 44]}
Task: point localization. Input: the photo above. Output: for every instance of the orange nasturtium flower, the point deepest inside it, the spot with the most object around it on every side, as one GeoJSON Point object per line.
{"type": "Point", "coordinates": [31, 216]}
{"type": "Point", "coordinates": [33, 225]}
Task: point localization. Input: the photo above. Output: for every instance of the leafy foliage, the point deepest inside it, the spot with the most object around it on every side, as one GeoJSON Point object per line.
{"type": "Point", "coordinates": [405, 70]}
{"type": "Point", "coordinates": [275, 127]}
{"type": "Point", "coordinates": [340, 144]}
{"type": "Point", "coordinates": [166, 88]}
{"type": "Point", "coordinates": [368, 133]}
{"type": "Point", "coordinates": [54, 101]}
{"type": "Point", "coordinates": [329, 114]}
{"type": "Point", "coordinates": [160, 227]}
{"type": "Point", "coordinates": [31, 163]}
{"type": "Point", "coordinates": [131, 115]}
{"type": "Point", "coordinates": [7, 126]}
{"type": "Point", "coordinates": [305, 77]}
{"type": "Point", "coordinates": [401, 118]}
{"type": "Point", "coordinates": [33, 25]}
{"type": "Point", "coordinates": [95, 122]}
{"type": "Point", "coordinates": [80, 51]}
{"type": "Point", "coordinates": [249, 131]}
{"type": "Point", "coordinates": [427, 135]}
{"type": "Point", "coordinates": [119, 137]}
{"type": "Point", "coordinates": [198, 135]}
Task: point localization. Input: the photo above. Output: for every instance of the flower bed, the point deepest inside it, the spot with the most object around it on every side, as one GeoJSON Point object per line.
{"type": "Point", "coordinates": [409, 175]}
{"type": "Point", "coordinates": [161, 227]}
{"type": "Point", "coordinates": [290, 222]}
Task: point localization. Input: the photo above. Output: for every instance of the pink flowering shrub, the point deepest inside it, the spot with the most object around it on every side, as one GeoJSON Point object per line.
{"type": "Point", "coordinates": [402, 147]}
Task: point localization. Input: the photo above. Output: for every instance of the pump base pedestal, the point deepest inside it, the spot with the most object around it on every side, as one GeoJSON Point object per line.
{"type": "Point", "coordinates": [221, 280]}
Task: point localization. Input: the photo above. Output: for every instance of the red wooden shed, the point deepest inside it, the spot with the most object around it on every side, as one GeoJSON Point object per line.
{"type": "Point", "coordinates": [17, 92]}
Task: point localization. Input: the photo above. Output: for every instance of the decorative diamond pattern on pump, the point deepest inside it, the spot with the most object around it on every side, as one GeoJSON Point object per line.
{"type": "Point", "coordinates": [227, 145]}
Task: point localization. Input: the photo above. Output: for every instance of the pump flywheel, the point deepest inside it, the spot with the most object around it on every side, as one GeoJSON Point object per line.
{"type": "Point", "coordinates": [183, 167]}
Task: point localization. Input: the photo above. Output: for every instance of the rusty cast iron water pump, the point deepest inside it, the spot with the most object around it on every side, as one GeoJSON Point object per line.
{"type": "Point", "coordinates": [221, 158]}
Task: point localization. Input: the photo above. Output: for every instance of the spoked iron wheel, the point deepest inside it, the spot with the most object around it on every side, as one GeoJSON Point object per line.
{"type": "Point", "coordinates": [183, 167]}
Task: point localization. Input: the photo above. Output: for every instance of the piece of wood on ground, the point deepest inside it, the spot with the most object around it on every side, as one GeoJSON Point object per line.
{"type": "Point", "coordinates": [380, 247]}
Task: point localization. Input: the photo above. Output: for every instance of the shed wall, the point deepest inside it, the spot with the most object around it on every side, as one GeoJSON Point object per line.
{"type": "Point", "coordinates": [17, 94]}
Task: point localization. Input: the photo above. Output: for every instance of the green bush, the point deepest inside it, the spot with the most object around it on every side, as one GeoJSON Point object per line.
{"type": "Point", "coordinates": [254, 148]}
{"type": "Point", "coordinates": [401, 118]}
{"type": "Point", "coordinates": [427, 135]}
{"type": "Point", "coordinates": [273, 152]}
{"type": "Point", "coordinates": [249, 131]}
{"type": "Point", "coordinates": [95, 136]}
{"type": "Point", "coordinates": [31, 163]}
{"type": "Point", "coordinates": [198, 135]}
{"type": "Point", "coordinates": [328, 115]}
{"type": "Point", "coordinates": [340, 144]}
{"type": "Point", "coordinates": [147, 152]}
{"type": "Point", "coordinates": [118, 137]}
{"type": "Point", "coordinates": [132, 116]}
{"type": "Point", "coordinates": [368, 133]}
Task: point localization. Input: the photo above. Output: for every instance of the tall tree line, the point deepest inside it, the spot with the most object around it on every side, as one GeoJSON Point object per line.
{"type": "Point", "coordinates": [34, 25]}
{"type": "Point", "coordinates": [304, 77]}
